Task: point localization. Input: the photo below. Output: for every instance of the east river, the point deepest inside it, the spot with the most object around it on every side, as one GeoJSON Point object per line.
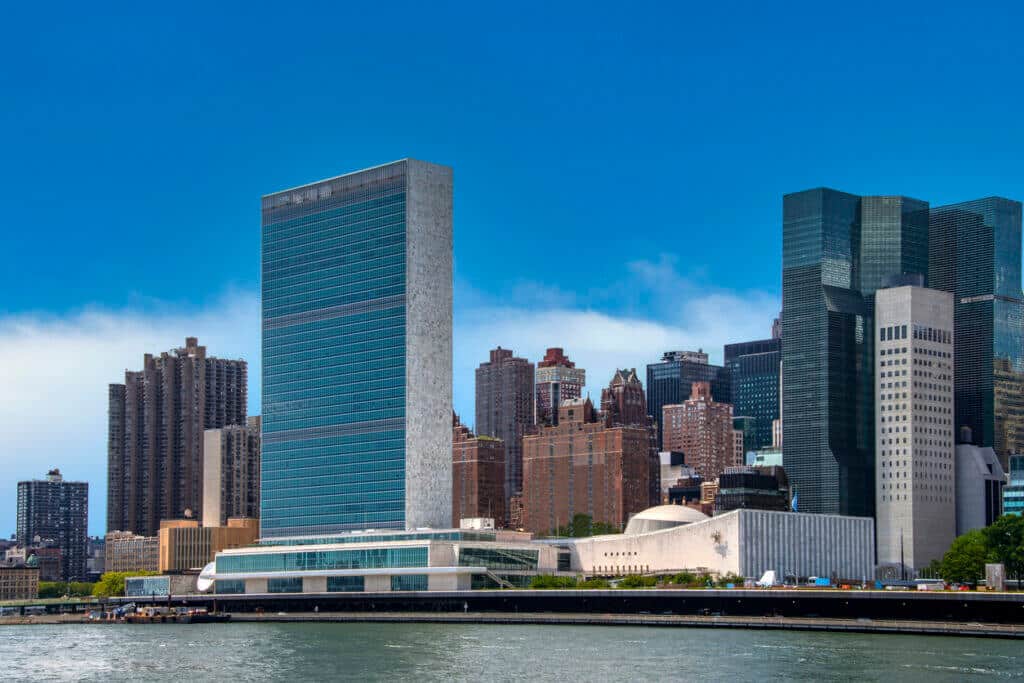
{"type": "Point", "coordinates": [421, 652]}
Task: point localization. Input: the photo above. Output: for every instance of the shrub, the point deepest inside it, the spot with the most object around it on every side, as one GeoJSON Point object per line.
{"type": "Point", "coordinates": [637, 581]}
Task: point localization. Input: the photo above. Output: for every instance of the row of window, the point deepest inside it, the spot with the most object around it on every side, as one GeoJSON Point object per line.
{"type": "Point", "coordinates": [366, 558]}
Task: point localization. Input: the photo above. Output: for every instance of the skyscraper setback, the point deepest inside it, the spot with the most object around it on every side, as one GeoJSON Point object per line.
{"type": "Point", "coordinates": [558, 379]}
{"type": "Point", "coordinates": [155, 436]}
{"type": "Point", "coordinates": [975, 253]}
{"type": "Point", "coordinates": [357, 354]}
{"type": "Point", "coordinates": [838, 248]}
{"type": "Point", "coordinates": [505, 409]}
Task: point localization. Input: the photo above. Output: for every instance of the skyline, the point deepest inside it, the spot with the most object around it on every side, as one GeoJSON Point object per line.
{"type": "Point", "coordinates": [165, 154]}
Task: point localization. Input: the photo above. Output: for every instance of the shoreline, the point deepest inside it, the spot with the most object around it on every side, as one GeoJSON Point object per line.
{"type": "Point", "coordinates": [906, 627]}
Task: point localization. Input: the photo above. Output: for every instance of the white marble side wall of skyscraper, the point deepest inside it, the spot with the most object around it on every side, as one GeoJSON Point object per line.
{"type": "Point", "coordinates": [428, 410]}
{"type": "Point", "coordinates": [915, 469]}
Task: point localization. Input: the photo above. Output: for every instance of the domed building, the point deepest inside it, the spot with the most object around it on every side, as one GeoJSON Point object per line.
{"type": "Point", "coordinates": [662, 517]}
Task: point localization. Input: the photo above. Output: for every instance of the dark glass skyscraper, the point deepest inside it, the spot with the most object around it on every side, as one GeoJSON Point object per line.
{"type": "Point", "coordinates": [976, 255]}
{"type": "Point", "coordinates": [670, 382]}
{"type": "Point", "coordinates": [357, 356]}
{"type": "Point", "coordinates": [837, 249]}
{"type": "Point", "coordinates": [754, 374]}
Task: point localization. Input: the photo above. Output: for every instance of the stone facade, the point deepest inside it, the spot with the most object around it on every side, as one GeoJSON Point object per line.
{"type": "Point", "coordinates": [558, 380]}
{"type": "Point", "coordinates": [428, 352]}
{"type": "Point", "coordinates": [231, 472]}
{"type": "Point", "coordinates": [915, 482]}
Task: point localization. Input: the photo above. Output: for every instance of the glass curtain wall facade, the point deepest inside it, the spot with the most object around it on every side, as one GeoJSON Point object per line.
{"type": "Point", "coordinates": [976, 254]}
{"type": "Point", "coordinates": [838, 248]}
{"type": "Point", "coordinates": [754, 375]}
{"type": "Point", "coordinates": [357, 288]}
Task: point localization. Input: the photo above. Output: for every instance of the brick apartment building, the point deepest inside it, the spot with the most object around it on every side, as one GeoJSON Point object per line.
{"type": "Point", "coordinates": [582, 465]}
{"type": "Point", "coordinates": [478, 476]}
{"type": "Point", "coordinates": [702, 428]}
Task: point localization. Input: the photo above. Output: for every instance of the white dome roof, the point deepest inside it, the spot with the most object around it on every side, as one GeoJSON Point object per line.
{"type": "Point", "coordinates": [663, 517]}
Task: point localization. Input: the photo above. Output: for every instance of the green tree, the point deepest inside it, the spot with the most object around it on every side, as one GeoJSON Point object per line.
{"type": "Point", "coordinates": [51, 589]}
{"type": "Point", "coordinates": [583, 525]}
{"type": "Point", "coordinates": [112, 583]}
{"type": "Point", "coordinates": [1005, 540]}
{"type": "Point", "coordinates": [964, 562]}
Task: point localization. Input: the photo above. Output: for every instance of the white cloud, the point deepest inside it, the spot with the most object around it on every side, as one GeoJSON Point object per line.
{"type": "Point", "coordinates": [54, 370]}
{"type": "Point", "coordinates": [54, 373]}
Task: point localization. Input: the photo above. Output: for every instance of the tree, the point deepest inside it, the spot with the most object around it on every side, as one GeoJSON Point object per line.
{"type": "Point", "coordinates": [112, 583]}
{"type": "Point", "coordinates": [964, 562]}
{"type": "Point", "coordinates": [583, 525]}
{"type": "Point", "coordinates": [1005, 540]}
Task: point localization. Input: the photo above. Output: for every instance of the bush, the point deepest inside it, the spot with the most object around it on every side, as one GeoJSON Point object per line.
{"type": "Point", "coordinates": [549, 581]}
{"type": "Point", "coordinates": [637, 581]}
{"type": "Point", "coordinates": [683, 579]}
{"type": "Point", "coordinates": [734, 579]}
{"type": "Point", "coordinates": [594, 583]}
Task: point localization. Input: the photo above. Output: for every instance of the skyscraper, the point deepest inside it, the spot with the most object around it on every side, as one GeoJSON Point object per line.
{"type": "Point", "coordinates": [357, 352]}
{"type": "Point", "coordinates": [671, 381]}
{"type": "Point", "coordinates": [56, 510]}
{"type": "Point", "coordinates": [754, 369]}
{"type": "Point", "coordinates": [231, 473]}
{"type": "Point", "coordinates": [976, 255]}
{"type": "Point", "coordinates": [916, 466]}
{"type": "Point", "coordinates": [558, 379]}
{"type": "Point", "coordinates": [701, 428]}
{"type": "Point", "coordinates": [505, 409]}
{"type": "Point", "coordinates": [155, 436]}
{"type": "Point", "coordinates": [837, 250]}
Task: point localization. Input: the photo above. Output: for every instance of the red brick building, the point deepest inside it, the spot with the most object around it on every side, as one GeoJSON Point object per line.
{"type": "Point", "coordinates": [624, 404]}
{"type": "Point", "coordinates": [702, 429]}
{"type": "Point", "coordinates": [478, 476]}
{"type": "Point", "coordinates": [581, 465]}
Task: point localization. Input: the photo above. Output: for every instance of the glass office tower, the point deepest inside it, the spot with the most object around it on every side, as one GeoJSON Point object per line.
{"type": "Point", "coordinates": [357, 357]}
{"type": "Point", "coordinates": [976, 255]}
{"type": "Point", "coordinates": [670, 382]}
{"type": "Point", "coordinates": [838, 248]}
{"type": "Point", "coordinates": [754, 376]}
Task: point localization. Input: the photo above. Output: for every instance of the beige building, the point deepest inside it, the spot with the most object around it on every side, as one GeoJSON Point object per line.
{"type": "Point", "coordinates": [231, 472]}
{"type": "Point", "coordinates": [915, 474]}
{"type": "Point", "coordinates": [19, 583]}
{"type": "Point", "coordinates": [128, 552]}
{"type": "Point", "coordinates": [184, 545]}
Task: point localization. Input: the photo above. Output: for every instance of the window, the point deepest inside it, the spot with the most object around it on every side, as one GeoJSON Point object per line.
{"type": "Point", "coordinates": [346, 584]}
{"type": "Point", "coordinates": [229, 586]}
{"type": "Point", "coordinates": [293, 585]}
{"type": "Point", "coordinates": [409, 582]}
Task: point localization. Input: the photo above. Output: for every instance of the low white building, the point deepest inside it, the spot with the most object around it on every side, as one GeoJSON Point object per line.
{"type": "Point", "coordinates": [979, 485]}
{"type": "Point", "coordinates": [673, 538]}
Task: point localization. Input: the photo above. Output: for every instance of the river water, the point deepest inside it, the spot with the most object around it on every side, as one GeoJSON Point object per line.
{"type": "Point", "coordinates": [420, 652]}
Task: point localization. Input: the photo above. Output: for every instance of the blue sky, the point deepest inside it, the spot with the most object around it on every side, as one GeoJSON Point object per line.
{"type": "Point", "coordinates": [618, 170]}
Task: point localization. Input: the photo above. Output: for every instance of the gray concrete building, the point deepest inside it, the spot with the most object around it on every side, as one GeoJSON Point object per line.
{"type": "Point", "coordinates": [979, 486]}
{"type": "Point", "coordinates": [915, 472]}
{"type": "Point", "coordinates": [505, 409]}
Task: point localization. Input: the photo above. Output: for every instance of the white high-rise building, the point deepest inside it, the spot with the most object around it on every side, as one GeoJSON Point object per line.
{"type": "Point", "coordinates": [914, 432]}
